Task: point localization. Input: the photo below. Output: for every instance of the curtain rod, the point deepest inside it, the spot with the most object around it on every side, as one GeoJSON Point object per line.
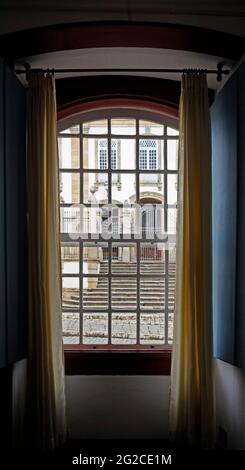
{"type": "Point", "coordinates": [219, 71]}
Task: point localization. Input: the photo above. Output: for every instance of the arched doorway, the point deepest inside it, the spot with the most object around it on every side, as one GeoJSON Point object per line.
{"type": "Point", "coordinates": [152, 223]}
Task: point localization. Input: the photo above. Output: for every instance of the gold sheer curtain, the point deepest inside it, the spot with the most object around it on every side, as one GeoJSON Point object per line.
{"type": "Point", "coordinates": [191, 396]}
{"type": "Point", "coordinates": [46, 421]}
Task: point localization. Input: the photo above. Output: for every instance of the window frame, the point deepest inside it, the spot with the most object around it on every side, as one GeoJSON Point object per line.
{"type": "Point", "coordinates": [153, 359]}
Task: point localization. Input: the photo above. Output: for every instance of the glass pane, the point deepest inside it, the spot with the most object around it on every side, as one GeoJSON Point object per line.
{"type": "Point", "coordinates": [98, 221]}
{"type": "Point", "coordinates": [152, 258]}
{"type": "Point", "coordinates": [95, 258]}
{"type": "Point", "coordinates": [123, 188]}
{"type": "Point", "coordinates": [95, 154]}
{"type": "Point", "coordinates": [121, 126]}
{"type": "Point", "coordinates": [172, 219]}
{"type": "Point", "coordinates": [95, 127]}
{"type": "Point", "coordinates": [172, 149]}
{"type": "Point", "coordinates": [130, 221]}
{"type": "Point", "coordinates": [170, 327]}
{"type": "Point", "coordinates": [95, 293]}
{"type": "Point", "coordinates": [70, 326]}
{"type": "Point", "coordinates": [152, 293]}
{"type": "Point", "coordinates": [70, 220]}
{"type": "Point", "coordinates": [123, 328]}
{"type": "Point", "coordinates": [71, 130]}
{"type": "Point", "coordinates": [171, 131]}
{"type": "Point", "coordinates": [69, 188]}
{"type": "Point", "coordinates": [69, 152]}
{"type": "Point", "coordinates": [70, 293]}
{"type": "Point", "coordinates": [95, 328]}
{"type": "Point", "coordinates": [172, 259]}
{"type": "Point", "coordinates": [172, 189]}
{"type": "Point", "coordinates": [151, 154]}
{"type": "Point", "coordinates": [123, 154]}
{"type": "Point", "coordinates": [171, 293]}
{"type": "Point", "coordinates": [70, 258]}
{"type": "Point", "coordinates": [95, 188]}
{"type": "Point", "coordinates": [119, 286]}
{"type": "Point", "coordinates": [152, 328]}
{"type": "Point", "coordinates": [151, 187]}
{"type": "Point", "coordinates": [150, 128]}
{"type": "Point", "coordinates": [115, 222]}
{"type": "Point", "coordinates": [124, 256]}
{"type": "Point", "coordinates": [151, 221]}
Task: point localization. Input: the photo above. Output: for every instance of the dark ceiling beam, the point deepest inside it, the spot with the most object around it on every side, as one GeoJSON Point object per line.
{"type": "Point", "coordinates": [71, 92]}
{"type": "Point", "coordinates": [119, 34]}
{"type": "Point", "coordinates": [84, 89]}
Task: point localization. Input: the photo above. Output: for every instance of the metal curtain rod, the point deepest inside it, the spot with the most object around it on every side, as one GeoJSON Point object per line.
{"type": "Point", "coordinates": [219, 71]}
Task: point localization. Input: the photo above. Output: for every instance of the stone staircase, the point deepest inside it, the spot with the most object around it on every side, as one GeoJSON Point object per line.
{"type": "Point", "coordinates": [124, 288]}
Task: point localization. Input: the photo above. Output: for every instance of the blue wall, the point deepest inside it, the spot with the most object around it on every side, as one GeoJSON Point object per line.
{"type": "Point", "coordinates": [13, 273]}
{"type": "Point", "coordinates": [240, 302]}
{"type": "Point", "coordinates": [2, 232]}
{"type": "Point", "coordinates": [228, 178]}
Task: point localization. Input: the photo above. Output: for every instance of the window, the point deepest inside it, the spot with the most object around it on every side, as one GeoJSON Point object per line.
{"type": "Point", "coordinates": [148, 154]}
{"type": "Point", "coordinates": [114, 154]}
{"type": "Point", "coordinates": [118, 227]}
{"type": "Point", "coordinates": [103, 155]}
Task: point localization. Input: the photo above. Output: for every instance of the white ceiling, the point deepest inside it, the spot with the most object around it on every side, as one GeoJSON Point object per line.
{"type": "Point", "coordinates": [121, 57]}
{"type": "Point", "coordinates": [222, 15]}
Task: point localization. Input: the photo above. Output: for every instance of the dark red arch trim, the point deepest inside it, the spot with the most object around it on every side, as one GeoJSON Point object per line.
{"type": "Point", "coordinates": [120, 34]}
{"type": "Point", "coordinates": [112, 102]}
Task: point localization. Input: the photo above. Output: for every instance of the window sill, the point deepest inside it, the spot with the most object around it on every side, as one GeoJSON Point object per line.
{"type": "Point", "coordinates": [119, 360]}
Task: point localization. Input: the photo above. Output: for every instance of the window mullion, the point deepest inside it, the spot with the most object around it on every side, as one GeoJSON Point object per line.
{"type": "Point", "coordinates": [109, 242]}
{"type": "Point", "coordinates": [138, 244]}
{"type": "Point", "coordinates": [166, 229]}
{"type": "Point", "coordinates": [81, 245]}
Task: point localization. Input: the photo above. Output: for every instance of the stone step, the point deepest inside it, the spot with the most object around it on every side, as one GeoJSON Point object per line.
{"type": "Point", "coordinates": [133, 270]}
{"type": "Point", "coordinates": [128, 281]}
{"type": "Point", "coordinates": [124, 302]}
{"type": "Point", "coordinates": [120, 289]}
{"type": "Point", "coordinates": [120, 272]}
{"type": "Point", "coordinates": [118, 297]}
{"type": "Point", "coordinates": [125, 263]}
{"type": "Point", "coordinates": [124, 288]}
{"type": "Point", "coordinates": [128, 285]}
{"type": "Point", "coordinates": [128, 267]}
{"type": "Point", "coordinates": [125, 306]}
{"type": "Point", "coordinates": [131, 283]}
{"type": "Point", "coordinates": [130, 292]}
{"type": "Point", "coordinates": [120, 278]}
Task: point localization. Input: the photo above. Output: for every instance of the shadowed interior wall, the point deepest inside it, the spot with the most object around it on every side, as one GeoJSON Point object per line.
{"type": "Point", "coordinates": [117, 407]}
{"type": "Point", "coordinates": [12, 218]}
{"type": "Point", "coordinates": [230, 403]}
